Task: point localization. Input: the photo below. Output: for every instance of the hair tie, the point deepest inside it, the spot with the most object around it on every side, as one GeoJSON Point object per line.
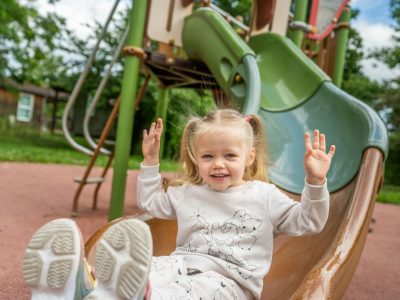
{"type": "Point", "coordinates": [247, 119]}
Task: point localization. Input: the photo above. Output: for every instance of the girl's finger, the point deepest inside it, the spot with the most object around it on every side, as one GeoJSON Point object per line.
{"type": "Point", "coordinates": [316, 139]}
{"type": "Point", "coordinates": [331, 151]}
{"type": "Point", "coordinates": [307, 142]}
{"type": "Point", "coordinates": [322, 142]}
{"type": "Point", "coordinates": [152, 128]}
{"type": "Point", "coordinates": [159, 125]}
{"type": "Point", "coordinates": [145, 133]}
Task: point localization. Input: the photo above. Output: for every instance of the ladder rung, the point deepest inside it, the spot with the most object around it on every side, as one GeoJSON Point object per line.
{"type": "Point", "coordinates": [97, 179]}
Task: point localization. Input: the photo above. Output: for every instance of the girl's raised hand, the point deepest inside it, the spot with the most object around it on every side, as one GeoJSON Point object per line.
{"type": "Point", "coordinates": [151, 143]}
{"type": "Point", "coordinates": [316, 160]}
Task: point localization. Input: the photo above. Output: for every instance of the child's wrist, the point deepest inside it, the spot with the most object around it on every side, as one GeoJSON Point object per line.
{"type": "Point", "coordinates": [315, 181]}
{"type": "Point", "coordinates": [150, 162]}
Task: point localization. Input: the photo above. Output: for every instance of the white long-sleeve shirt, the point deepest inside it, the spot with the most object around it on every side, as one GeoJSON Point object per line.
{"type": "Point", "coordinates": [231, 232]}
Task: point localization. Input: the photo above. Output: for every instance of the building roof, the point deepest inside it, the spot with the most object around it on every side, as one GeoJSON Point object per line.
{"type": "Point", "coordinates": [33, 89]}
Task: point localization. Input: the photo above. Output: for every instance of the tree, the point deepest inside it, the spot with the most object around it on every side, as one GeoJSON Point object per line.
{"type": "Point", "coordinates": [236, 8]}
{"type": "Point", "coordinates": [354, 81]}
{"type": "Point", "coordinates": [391, 57]}
{"type": "Point", "coordinates": [28, 41]}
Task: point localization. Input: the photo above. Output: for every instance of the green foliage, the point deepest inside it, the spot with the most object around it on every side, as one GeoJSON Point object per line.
{"type": "Point", "coordinates": [389, 194]}
{"type": "Point", "coordinates": [236, 8]}
{"type": "Point", "coordinates": [354, 53]}
{"type": "Point", "coordinates": [28, 41]}
{"type": "Point", "coordinates": [392, 164]}
{"type": "Point", "coordinates": [183, 104]}
{"type": "Point", "coordinates": [354, 81]}
{"type": "Point", "coordinates": [391, 55]}
{"type": "Point", "coordinates": [363, 88]}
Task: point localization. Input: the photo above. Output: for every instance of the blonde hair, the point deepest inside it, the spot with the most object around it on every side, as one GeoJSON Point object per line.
{"type": "Point", "coordinates": [215, 122]}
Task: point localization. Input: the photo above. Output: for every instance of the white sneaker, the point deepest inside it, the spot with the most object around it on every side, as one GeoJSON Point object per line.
{"type": "Point", "coordinates": [122, 262]}
{"type": "Point", "coordinates": [54, 266]}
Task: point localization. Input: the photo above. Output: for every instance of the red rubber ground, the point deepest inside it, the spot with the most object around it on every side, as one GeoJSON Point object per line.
{"type": "Point", "coordinates": [33, 194]}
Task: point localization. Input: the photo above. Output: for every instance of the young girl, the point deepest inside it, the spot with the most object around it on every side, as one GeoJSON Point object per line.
{"type": "Point", "coordinates": [227, 214]}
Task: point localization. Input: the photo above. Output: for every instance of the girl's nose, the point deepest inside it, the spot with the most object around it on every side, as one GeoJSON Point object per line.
{"type": "Point", "coordinates": [218, 163]}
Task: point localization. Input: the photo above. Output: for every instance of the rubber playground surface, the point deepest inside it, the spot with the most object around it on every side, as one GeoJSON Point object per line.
{"type": "Point", "coordinates": [33, 194]}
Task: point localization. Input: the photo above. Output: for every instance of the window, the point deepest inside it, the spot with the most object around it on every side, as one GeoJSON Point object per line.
{"type": "Point", "coordinates": [26, 103]}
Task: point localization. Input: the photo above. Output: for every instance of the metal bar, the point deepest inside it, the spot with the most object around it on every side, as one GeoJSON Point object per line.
{"type": "Point", "coordinates": [104, 135]}
{"type": "Point", "coordinates": [341, 45]}
{"type": "Point", "coordinates": [103, 175]}
{"type": "Point", "coordinates": [127, 115]}
{"type": "Point", "coordinates": [230, 18]}
{"type": "Point", "coordinates": [96, 153]}
{"type": "Point", "coordinates": [142, 91]}
{"type": "Point", "coordinates": [161, 112]}
{"type": "Point", "coordinates": [170, 14]}
{"type": "Point", "coordinates": [78, 86]}
{"type": "Point", "coordinates": [296, 35]}
{"type": "Point", "coordinates": [96, 98]}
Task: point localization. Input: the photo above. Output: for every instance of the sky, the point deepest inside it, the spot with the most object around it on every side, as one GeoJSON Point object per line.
{"type": "Point", "coordinates": [375, 27]}
{"type": "Point", "coordinates": [373, 24]}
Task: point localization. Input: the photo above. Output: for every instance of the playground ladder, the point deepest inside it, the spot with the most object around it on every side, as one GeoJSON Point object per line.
{"type": "Point", "coordinates": [85, 179]}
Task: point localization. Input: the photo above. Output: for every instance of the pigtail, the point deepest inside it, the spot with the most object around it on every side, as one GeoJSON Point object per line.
{"type": "Point", "coordinates": [187, 155]}
{"type": "Point", "coordinates": [187, 158]}
{"type": "Point", "coordinates": [259, 169]}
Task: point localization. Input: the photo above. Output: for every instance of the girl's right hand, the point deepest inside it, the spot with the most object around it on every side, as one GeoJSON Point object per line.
{"type": "Point", "coordinates": [151, 143]}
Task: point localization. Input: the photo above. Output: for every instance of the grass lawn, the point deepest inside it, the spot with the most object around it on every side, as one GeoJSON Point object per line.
{"type": "Point", "coordinates": [389, 194]}
{"type": "Point", "coordinates": [24, 145]}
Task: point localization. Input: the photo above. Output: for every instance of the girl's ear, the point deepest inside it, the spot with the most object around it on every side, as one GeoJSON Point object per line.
{"type": "Point", "coordinates": [251, 156]}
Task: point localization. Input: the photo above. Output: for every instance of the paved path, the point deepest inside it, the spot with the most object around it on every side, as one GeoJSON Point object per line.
{"type": "Point", "coordinates": [33, 194]}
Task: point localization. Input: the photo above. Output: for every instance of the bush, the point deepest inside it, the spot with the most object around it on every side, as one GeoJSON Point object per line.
{"type": "Point", "coordinates": [392, 165]}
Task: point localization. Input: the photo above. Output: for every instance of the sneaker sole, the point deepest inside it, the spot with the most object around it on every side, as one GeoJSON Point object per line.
{"type": "Point", "coordinates": [122, 261]}
{"type": "Point", "coordinates": [52, 259]}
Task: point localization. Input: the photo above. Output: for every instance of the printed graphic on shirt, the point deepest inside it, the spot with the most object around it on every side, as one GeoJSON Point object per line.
{"type": "Point", "coordinates": [164, 265]}
{"type": "Point", "coordinates": [227, 240]}
{"type": "Point", "coordinates": [188, 248]}
{"type": "Point", "coordinates": [203, 287]}
{"type": "Point", "coordinates": [170, 281]}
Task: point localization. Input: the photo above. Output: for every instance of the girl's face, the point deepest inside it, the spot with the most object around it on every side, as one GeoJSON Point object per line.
{"type": "Point", "coordinates": [222, 159]}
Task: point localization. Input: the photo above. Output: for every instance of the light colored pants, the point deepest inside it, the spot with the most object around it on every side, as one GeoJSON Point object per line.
{"type": "Point", "coordinates": [170, 279]}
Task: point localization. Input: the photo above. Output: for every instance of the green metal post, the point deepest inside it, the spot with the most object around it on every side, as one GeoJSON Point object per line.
{"type": "Point", "coordinates": [126, 111]}
{"type": "Point", "coordinates": [341, 46]}
{"type": "Point", "coordinates": [296, 35]}
{"type": "Point", "coordinates": [161, 112]}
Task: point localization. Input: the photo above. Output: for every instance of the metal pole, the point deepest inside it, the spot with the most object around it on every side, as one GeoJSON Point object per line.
{"type": "Point", "coordinates": [126, 112]}
{"type": "Point", "coordinates": [96, 98]}
{"type": "Point", "coordinates": [296, 35]}
{"type": "Point", "coordinates": [161, 111]}
{"type": "Point", "coordinates": [341, 46]}
{"type": "Point", "coordinates": [78, 86]}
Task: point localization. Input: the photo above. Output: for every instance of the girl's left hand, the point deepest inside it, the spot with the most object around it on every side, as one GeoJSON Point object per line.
{"type": "Point", "coordinates": [316, 161]}
{"type": "Point", "coordinates": [151, 143]}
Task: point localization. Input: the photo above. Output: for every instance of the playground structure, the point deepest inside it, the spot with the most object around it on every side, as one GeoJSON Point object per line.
{"type": "Point", "coordinates": [280, 67]}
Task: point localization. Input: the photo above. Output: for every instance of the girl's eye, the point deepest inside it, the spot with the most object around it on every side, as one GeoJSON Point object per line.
{"type": "Point", "coordinates": [207, 156]}
{"type": "Point", "coordinates": [230, 155]}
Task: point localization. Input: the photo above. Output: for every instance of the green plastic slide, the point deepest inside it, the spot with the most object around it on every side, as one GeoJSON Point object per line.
{"type": "Point", "coordinates": [298, 97]}
{"type": "Point", "coordinates": [295, 96]}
